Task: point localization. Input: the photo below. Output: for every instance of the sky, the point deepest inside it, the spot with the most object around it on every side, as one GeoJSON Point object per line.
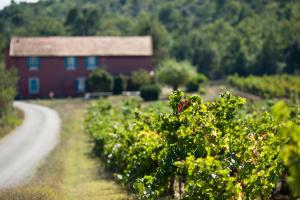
{"type": "Point", "coordinates": [4, 3]}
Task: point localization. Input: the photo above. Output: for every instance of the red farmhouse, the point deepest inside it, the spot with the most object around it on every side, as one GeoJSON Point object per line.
{"type": "Point", "coordinates": [62, 64]}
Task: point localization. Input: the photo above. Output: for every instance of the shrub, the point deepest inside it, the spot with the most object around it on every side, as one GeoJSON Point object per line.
{"type": "Point", "coordinates": [137, 79]}
{"type": "Point", "coordinates": [193, 85]}
{"type": "Point", "coordinates": [8, 81]}
{"type": "Point", "coordinates": [150, 92]}
{"type": "Point", "coordinates": [175, 73]}
{"type": "Point", "coordinates": [9, 121]}
{"type": "Point", "coordinates": [119, 84]}
{"type": "Point", "coordinates": [100, 81]}
{"type": "Point", "coordinates": [201, 78]}
{"type": "Point", "coordinates": [202, 90]}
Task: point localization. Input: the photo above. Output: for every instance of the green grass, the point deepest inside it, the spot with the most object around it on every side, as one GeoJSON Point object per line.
{"type": "Point", "coordinates": [70, 172]}
{"type": "Point", "coordinates": [28, 193]}
{"type": "Point", "coordinates": [10, 121]}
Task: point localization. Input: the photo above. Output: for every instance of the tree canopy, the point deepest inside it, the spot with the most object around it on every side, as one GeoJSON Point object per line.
{"type": "Point", "coordinates": [175, 73]}
{"type": "Point", "coordinates": [218, 37]}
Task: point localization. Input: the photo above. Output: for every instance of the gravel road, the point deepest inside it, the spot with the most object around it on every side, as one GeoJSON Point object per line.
{"type": "Point", "coordinates": [23, 149]}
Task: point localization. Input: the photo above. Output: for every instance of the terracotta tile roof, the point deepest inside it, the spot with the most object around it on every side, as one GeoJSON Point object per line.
{"type": "Point", "coordinates": [81, 46]}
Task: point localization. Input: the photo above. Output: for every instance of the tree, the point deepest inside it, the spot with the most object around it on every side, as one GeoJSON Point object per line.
{"type": "Point", "coordinates": [116, 24]}
{"type": "Point", "coordinates": [49, 27]}
{"type": "Point", "coordinates": [170, 17]}
{"type": "Point", "coordinates": [235, 60]}
{"type": "Point", "coordinates": [268, 61]}
{"type": "Point", "coordinates": [160, 36]}
{"type": "Point", "coordinates": [292, 58]}
{"type": "Point", "coordinates": [84, 21]}
{"type": "Point", "coordinates": [175, 73]}
{"type": "Point", "coordinates": [100, 81]}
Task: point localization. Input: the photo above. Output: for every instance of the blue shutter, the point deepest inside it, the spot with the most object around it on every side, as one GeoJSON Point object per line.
{"type": "Point", "coordinates": [86, 62]}
{"type": "Point", "coordinates": [28, 62]}
{"type": "Point", "coordinates": [30, 85]}
{"type": "Point", "coordinates": [65, 62]}
{"type": "Point", "coordinates": [75, 63]}
{"type": "Point", "coordinates": [34, 85]}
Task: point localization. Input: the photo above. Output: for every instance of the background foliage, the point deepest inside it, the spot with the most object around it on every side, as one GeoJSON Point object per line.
{"type": "Point", "coordinates": [218, 37]}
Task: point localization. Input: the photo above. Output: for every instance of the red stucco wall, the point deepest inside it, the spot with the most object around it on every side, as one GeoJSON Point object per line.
{"type": "Point", "coordinates": [54, 77]}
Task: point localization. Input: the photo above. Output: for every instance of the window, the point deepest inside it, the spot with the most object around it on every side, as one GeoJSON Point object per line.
{"type": "Point", "coordinates": [34, 85]}
{"type": "Point", "coordinates": [33, 63]}
{"type": "Point", "coordinates": [80, 84]}
{"type": "Point", "coordinates": [70, 63]}
{"type": "Point", "coordinates": [91, 62]}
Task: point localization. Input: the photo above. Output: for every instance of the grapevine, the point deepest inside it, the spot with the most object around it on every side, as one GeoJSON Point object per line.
{"type": "Point", "coordinates": [212, 150]}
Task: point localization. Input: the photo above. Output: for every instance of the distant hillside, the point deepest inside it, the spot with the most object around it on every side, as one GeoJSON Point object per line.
{"type": "Point", "coordinates": [218, 36]}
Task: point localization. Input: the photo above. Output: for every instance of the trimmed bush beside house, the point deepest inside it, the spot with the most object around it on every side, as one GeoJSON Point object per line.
{"type": "Point", "coordinates": [119, 84]}
{"type": "Point", "coordinates": [100, 81]}
{"type": "Point", "coordinates": [150, 92]}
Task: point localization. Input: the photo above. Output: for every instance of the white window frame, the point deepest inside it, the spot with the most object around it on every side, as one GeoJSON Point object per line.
{"type": "Point", "coordinates": [91, 66]}
{"type": "Point", "coordinates": [33, 65]}
{"type": "Point", "coordinates": [71, 65]}
{"type": "Point", "coordinates": [78, 79]}
{"type": "Point", "coordinates": [29, 85]}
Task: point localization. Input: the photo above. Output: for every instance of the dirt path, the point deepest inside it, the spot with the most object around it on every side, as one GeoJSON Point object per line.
{"type": "Point", "coordinates": [23, 149]}
{"type": "Point", "coordinates": [213, 91]}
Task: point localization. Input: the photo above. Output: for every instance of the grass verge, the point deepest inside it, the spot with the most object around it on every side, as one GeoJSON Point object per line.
{"type": "Point", "coordinates": [11, 121]}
